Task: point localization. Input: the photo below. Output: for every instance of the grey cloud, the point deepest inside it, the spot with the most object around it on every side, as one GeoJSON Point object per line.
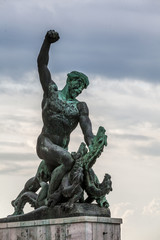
{"type": "Point", "coordinates": [12, 168]}
{"type": "Point", "coordinates": [17, 169]}
{"type": "Point", "coordinates": [11, 157]}
{"type": "Point", "coordinates": [132, 137]}
{"type": "Point", "coordinates": [19, 119]}
{"type": "Point", "coordinates": [12, 144]}
{"type": "Point", "coordinates": [114, 39]}
{"type": "Point", "coordinates": [12, 163]}
{"type": "Point", "coordinates": [153, 149]}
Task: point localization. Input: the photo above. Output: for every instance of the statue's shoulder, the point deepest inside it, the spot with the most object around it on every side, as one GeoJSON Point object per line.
{"type": "Point", "coordinates": [52, 87]}
{"type": "Point", "coordinates": [51, 94]}
{"type": "Point", "coordinates": [82, 107]}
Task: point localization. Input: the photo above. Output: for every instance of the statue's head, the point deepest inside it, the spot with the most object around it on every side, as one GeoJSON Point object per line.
{"type": "Point", "coordinates": [76, 82]}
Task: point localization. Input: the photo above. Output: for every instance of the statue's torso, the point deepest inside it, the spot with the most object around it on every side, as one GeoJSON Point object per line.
{"type": "Point", "coordinates": [59, 117]}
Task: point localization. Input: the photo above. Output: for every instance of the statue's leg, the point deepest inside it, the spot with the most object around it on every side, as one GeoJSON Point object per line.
{"type": "Point", "coordinates": [56, 178]}
{"type": "Point", "coordinates": [55, 197]}
{"type": "Point", "coordinates": [42, 195]}
{"type": "Point", "coordinates": [58, 160]}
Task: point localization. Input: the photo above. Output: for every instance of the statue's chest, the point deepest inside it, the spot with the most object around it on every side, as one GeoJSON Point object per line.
{"type": "Point", "coordinates": [58, 106]}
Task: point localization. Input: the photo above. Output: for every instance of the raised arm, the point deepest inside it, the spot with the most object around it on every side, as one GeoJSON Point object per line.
{"type": "Point", "coordinates": [85, 123]}
{"type": "Point", "coordinates": [43, 58]}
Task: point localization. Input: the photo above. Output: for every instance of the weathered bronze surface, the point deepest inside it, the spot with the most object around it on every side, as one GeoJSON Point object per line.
{"type": "Point", "coordinates": [63, 177]}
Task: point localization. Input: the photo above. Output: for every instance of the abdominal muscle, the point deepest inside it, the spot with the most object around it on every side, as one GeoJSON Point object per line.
{"type": "Point", "coordinates": [58, 125]}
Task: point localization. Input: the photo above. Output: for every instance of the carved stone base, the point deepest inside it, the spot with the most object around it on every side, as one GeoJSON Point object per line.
{"type": "Point", "coordinates": [79, 209]}
{"type": "Point", "coordinates": [73, 228]}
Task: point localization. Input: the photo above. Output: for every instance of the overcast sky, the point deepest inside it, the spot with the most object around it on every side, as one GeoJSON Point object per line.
{"type": "Point", "coordinates": [114, 42]}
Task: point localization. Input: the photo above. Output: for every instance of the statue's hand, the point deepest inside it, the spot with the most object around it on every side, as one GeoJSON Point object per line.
{"type": "Point", "coordinates": [91, 145]}
{"type": "Point", "coordinates": [52, 36]}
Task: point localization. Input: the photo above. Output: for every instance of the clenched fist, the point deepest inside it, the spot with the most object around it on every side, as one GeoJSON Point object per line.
{"type": "Point", "coordinates": [52, 36]}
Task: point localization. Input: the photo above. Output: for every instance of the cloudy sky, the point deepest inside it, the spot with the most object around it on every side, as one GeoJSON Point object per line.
{"type": "Point", "coordinates": [114, 42]}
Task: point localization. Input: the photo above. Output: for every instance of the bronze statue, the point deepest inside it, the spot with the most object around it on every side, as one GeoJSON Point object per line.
{"type": "Point", "coordinates": [63, 176]}
{"type": "Point", "coordinates": [61, 113]}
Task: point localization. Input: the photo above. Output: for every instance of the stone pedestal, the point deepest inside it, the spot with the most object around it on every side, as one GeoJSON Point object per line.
{"type": "Point", "coordinates": [71, 228]}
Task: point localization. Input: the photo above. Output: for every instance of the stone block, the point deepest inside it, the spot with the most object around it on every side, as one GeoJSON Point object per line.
{"type": "Point", "coordinates": [71, 228]}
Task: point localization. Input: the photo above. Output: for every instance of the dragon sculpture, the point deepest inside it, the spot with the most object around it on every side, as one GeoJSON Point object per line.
{"type": "Point", "coordinates": [71, 190]}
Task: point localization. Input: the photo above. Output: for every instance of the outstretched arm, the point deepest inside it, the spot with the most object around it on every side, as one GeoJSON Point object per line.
{"type": "Point", "coordinates": [43, 58]}
{"type": "Point", "coordinates": [85, 123]}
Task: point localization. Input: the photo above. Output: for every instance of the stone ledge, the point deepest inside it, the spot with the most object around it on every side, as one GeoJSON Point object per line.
{"type": "Point", "coordinates": [69, 220]}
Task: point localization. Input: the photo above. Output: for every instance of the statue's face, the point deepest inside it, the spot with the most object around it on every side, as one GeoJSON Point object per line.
{"type": "Point", "coordinates": [75, 87]}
